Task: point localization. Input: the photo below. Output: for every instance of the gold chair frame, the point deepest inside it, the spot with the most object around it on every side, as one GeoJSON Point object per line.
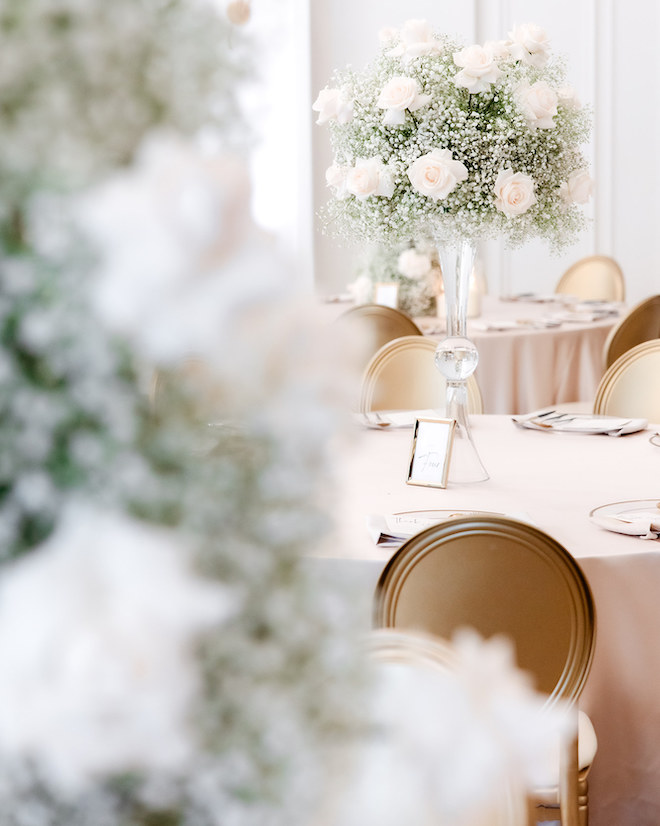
{"type": "Point", "coordinates": [631, 387]}
{"type": "Point", "coordinates": [376, 324]}
{"type": "Point", "coordinates": [402, 375]}
{"type": "Point", "coordinates": [596, 277]}
{"type": "Point", "coordinates": [641, 323]}
{"type": "Point", "coordinates": [503, 576]}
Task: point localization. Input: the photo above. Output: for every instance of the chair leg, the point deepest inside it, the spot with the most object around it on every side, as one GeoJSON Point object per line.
{"type": "Point", "coordinates": [568, 782]}
{"type": "Point", "coordinates": [583, 809]}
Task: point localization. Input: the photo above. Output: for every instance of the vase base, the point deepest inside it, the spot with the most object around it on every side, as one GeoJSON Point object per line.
{"type": "Point", "coordinates": [465, 465]}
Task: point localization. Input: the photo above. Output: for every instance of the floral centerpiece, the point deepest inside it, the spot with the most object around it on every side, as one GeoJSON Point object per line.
{"type": "Point", "coordinates": [450, 143]}
{"type": "Point", "coordinates": [437, 139]}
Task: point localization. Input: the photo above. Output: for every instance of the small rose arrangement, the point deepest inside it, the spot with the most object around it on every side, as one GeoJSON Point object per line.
{"type": "Point", "coordinates": [435, 140]}
{"type": "Point", "coordinates": [414, 267]}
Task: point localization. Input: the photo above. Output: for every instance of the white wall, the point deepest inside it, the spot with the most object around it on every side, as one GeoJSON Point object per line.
{"type": "Point", "coordinates": [613, 62]}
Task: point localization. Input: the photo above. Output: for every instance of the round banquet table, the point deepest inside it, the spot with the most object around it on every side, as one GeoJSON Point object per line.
{"type": "Point", "coordinates": [527, 366]}
{"type": "Point", "coordinates": [554, 480]}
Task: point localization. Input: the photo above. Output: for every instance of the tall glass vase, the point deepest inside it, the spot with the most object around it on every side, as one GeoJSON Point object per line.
{"type": "Point", "coordinates": [456, 357]}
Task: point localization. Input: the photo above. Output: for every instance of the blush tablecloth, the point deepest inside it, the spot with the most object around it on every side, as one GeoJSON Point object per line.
{"type": "Point", "coordinates": [554, 480]}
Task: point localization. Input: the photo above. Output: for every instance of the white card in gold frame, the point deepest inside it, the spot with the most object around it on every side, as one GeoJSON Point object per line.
{"type": "Point", "coordinates": [431, 451]}
{"type": "Point", "coordinates": [387, 294]}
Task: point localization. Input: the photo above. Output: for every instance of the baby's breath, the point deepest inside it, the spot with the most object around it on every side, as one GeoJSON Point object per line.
{"type": "Point", "coordinates": [487, 132]}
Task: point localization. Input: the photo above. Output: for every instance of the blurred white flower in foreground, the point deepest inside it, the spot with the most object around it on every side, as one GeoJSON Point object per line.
{"type": "Point", "coordinates": [178, 262]}
{"type": "Point", "coordinates": [446, 746]}
{"type": "Point", "coordinates": [96, 638]}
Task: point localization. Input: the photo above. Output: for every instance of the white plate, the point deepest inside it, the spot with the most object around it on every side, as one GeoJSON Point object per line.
{"type": "Point", "coordinates": [393, 530]}
{"type": "Point", "coordinates": [637, 517]}
{"type": "Point", "coordinates": [586, 423]}
{"type": "Point", "coordinates": [538, 298]}
{"type": "Point", "coordinates": [427, 518]}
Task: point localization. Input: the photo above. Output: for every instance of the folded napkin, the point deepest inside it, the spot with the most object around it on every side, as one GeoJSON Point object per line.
{"type": "Point", "coordinates": [645, 524]}
{"type": "Point", "coordinates": [495, 325]}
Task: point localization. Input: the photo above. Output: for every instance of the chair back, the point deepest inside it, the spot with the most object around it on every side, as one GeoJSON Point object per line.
{"type": "Point", "coordinates": [372, 325]}
{"type": "Point", "coordinates": [641, 323]}
{"type": "Point", "coordinates": [595, 278]}
{"type": "Point", "coordinates": [631, 386]}
{"type": "Point", "coordinates": [498, 576]}
{"type": "Point", "coordinates": [402, 376]}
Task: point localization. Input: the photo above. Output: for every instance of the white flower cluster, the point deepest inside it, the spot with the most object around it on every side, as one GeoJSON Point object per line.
{"type": "Point", "coordinates": [414, 267]}
{"type": "Point", "coordinates": [435, 140]}
{"type": "Point", "coordinates": [104, 671]}
{"type": "Point", "coordinates": [69, 403]}
{"type": "Point", "coordinates": [110, 715]}
{"type": "Point", "coordinates": [458, 741]}
{"type": "Point", "coordinates": [81, 82]}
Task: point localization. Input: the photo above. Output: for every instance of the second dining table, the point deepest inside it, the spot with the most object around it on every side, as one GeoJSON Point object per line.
{"type": "Point", "coordinates": [536, 351]}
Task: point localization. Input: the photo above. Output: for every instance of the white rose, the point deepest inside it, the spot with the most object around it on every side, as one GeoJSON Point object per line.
{"type": "Point", "coordinates": [436, 174]}
{"type": "Point", "coordinates": [416, 38]}
{"type": "Point", "coordinates": [498, 48]}
{"type": "Point", "coordinates": [479, 69]}
{"type": "Point", "coordinates": [538, 103]}
{"type": "Point", "coordinates": [387, 34]}
{"type": "Point", "coordinates": [335, 176]}
{"type": "Point", "coordinates": [578, 189]}
{"type": "Point", "coordinates": [360, 290]}
{"type": "Point", "coordinates": [568, 97]}
{"type": "Point", "coordinates": [400, 93]}
{"type": "Point", "coordinates": [529, 44]}
{"type": "Point", "coordinates": [369, 176]}
{"type": "Point", "coordinates": [333, 103]}
{"type": "Point", "coordinates": [238, 12]}
{"type": "Point", "coordinates": [414, 264]}
{"type": "Point", "coordinates": [514, 192]}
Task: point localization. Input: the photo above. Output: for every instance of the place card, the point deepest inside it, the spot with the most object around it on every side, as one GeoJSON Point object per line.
{"type": "Point", "coordinates": [430, 453]}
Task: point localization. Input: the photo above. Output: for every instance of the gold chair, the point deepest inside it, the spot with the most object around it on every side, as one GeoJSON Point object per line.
{"type": "Point", "coordinates": [503, 576]}
{"type": "Point", "coordinates": [372, 325]}
{"type": "Point", "coordinates": [641, 323]}
{"type": "Point", "coordinates": [630, 387]}
{"type": "Point", "coordinates": [388, 646]}
{"type": "Point", "coordinates": [402, 376]}
{"type": "Point", "coordinates": [596, 278]}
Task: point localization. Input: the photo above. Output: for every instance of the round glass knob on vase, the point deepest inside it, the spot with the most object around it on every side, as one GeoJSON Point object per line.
{"type": "Point", "coordinates": [456, 357]}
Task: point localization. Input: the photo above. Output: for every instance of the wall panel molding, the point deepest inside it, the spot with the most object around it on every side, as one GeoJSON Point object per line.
{"type": "Point", "coordinates": [604, 91]}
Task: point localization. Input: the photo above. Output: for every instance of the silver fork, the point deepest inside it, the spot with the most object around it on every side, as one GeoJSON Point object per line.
{"type": "Point", "coordinates": [550, 421]}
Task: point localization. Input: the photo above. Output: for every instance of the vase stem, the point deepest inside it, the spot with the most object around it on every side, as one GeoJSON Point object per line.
{"type": "Point", "coordinates": [456, 358]}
